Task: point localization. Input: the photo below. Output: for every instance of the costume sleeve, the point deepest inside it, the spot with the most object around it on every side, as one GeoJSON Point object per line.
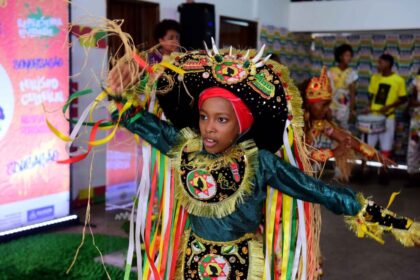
{"type": "Point", "coordinates": [158, 133]}
{"type": "Point", "coordinates": [292, 181]}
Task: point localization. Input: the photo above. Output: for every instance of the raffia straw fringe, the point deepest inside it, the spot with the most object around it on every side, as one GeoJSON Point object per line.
{"type": "Point", "coordinates": [256, 260]}
{"type": "Point", "coordinates": [179, 270]}
{"type": "Point", "coordinates": [192, 142]}
{"type": "Point", "coordinates": [345, 164]}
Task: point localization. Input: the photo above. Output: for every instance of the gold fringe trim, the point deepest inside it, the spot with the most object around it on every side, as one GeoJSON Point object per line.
{"type": "Point", "coordinates": [179, 269]}
{"type": "Point", "coordinates": [410, 237]}
{"type": "Point", "coordinates": [256, 259]}
{"type": "Point", "coordinates": [358, 224]}
{"type": "Point", "coordinates": [224, 243]}
{"type": "Point", "coordinates": [191, 142]}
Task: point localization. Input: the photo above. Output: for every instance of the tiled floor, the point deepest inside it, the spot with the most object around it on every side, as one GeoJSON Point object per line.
{"type": "Point", "coordinates": [345, 256]}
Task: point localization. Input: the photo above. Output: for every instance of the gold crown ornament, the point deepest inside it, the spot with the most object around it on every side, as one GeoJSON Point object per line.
{"type": "Point", "coordinates": [319, 89]}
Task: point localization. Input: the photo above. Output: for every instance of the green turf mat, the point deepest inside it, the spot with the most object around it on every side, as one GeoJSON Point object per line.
{"type": "Point", "coordinates": [47, 256]}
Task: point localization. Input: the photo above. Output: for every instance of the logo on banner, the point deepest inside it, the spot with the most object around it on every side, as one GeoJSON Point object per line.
{"type": "Point", "coordinates": [38, 25]}
{"type": "Point", "coordinates": [40, 213]}
{"type": "Point", "coordinates": [40, 90]}
{"type": "Point", "coordinates": [7, 102]}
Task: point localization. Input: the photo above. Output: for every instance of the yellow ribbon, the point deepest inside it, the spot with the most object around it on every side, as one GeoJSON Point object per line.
{"type": "Point", "coordinates": [271, 206]}
{"type": "Point", "coordinates": [172, 67]}
{"type": "Point", "coordinates": [137, 138]}
{"type": "Point", "coordinates": [60, 135]}
{"type": "Point", "coordinates": [112, 134]}
{"type": "Point", "coordinates": [363, 230]}
{"type": "Point", "coordinates": [287, 228]}
{"type": "Point", "coordinates": [392, 198]}
{"type": "Point", "coordinates": [98, 98]}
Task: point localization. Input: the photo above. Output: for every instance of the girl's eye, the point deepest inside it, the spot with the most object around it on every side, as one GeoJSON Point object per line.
{"type": "Point", "coordinates": [203, 117]}
{"type": "Point", "coordinates": [222, 120]}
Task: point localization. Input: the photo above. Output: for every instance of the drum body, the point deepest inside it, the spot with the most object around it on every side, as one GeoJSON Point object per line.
{"type": "Point", "coordinates": [371, 123]}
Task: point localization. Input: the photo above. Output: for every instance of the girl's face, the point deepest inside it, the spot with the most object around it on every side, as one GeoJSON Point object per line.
{"type": "Point", "coordinates": [169, 42]}
{"type": "Point", "coordinates": [219, 126]}
{"type": "Point", "coordinates": [346, 58]}
{"type": "Point", "coordinates": [319, 110]}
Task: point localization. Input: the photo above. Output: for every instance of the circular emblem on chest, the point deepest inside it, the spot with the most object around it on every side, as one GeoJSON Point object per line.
{"type": "Point", "coordinates": [201, 184]}
{"type": "Point", "coordinates": [213, 267]}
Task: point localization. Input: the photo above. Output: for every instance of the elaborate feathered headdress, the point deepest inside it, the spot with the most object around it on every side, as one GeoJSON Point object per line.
{"type": "Point", "coordinates": [319, 89]}
{"type": "Point", "coordinates": [252, 78]}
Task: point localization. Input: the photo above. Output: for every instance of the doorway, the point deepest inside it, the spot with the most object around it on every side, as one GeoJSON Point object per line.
{"type": "Point", "coordinates": [238, 33]}
{"type": "Point", "coordinates": [140, 19]}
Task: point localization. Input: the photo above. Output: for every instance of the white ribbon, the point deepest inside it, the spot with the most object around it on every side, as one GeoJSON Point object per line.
{"type": "Point", "coordinates": [142, 196]}
{"type": "Point", "coordinates": [301, 246]}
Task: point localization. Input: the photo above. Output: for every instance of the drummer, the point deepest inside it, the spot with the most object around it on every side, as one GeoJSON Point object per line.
{"type": "Point", "coordinates": [387, 91]}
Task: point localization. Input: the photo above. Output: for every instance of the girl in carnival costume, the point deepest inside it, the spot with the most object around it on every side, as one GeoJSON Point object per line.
{"type": "Point", "coordinates": [328, 139]}
{"type": "Point", "coordinates": [226, 176]}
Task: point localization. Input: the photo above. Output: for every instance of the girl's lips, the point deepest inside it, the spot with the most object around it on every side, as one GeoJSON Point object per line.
{"type": "Point", "coordinates": [209, 143]}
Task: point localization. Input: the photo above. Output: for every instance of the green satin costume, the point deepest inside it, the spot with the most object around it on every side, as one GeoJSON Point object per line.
{"type": "Point", "coordinates": [271, 171]}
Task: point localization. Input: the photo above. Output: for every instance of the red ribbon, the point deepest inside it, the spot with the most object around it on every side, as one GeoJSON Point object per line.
{"type": "Point", "coordinates": [143, 64]}
{"type": "Point", "coordinates": [149, 225]}
{"type": "Point", "coordinates": [83, 156]}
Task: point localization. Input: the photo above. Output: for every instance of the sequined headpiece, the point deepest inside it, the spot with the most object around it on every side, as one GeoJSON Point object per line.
{"type": "Point", "coordinates": [319, 89]}
{"type": "Point", "coordinates": [253, 79]}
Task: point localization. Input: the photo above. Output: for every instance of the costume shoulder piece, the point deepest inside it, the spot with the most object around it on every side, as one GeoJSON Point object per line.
{"type": "Point", "coordinates": [212, 185]}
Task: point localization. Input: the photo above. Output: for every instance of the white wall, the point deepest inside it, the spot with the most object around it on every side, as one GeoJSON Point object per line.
{"type": "Point", "coordinates": [354, 15]}
{"type": "Point", "coordinates": [81, 12]}
{"type": "Point", "coordinates": [274, 12]}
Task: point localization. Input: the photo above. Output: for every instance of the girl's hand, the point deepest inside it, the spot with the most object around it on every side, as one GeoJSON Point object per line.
{"type": "Point", "coordinates": [120, 76]}
{"type": "Point", "coordinates": [387, 162]}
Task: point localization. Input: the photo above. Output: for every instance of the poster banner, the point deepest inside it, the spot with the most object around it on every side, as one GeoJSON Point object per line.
{"type": "Point", "coordinates": [34, 71]}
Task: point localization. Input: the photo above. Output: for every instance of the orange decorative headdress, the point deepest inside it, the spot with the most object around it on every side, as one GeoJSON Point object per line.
{"type": "Point", "coordinates": [319, 89]}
